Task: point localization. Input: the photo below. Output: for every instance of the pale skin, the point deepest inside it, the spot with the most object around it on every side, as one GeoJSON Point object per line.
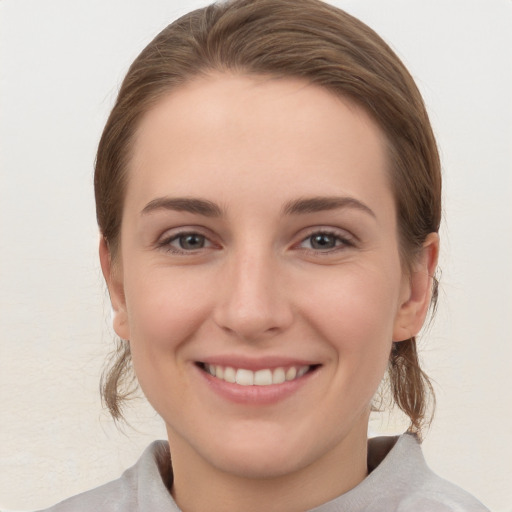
{"type": "Point", "coordinates": [259, 231]}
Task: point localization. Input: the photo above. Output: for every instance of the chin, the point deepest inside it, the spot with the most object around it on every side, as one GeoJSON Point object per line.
{"type": "Point", "coordinates": [266, 452]}
{"type": "Point", "coordinates": [260, 462]}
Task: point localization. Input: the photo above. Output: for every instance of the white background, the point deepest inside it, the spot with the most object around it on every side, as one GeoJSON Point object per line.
{"type": "Point", "coordinates": [61, 64]}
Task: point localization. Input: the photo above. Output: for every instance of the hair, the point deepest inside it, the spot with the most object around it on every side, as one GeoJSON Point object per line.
{"type": "Point", "coordinates": [303, 39]}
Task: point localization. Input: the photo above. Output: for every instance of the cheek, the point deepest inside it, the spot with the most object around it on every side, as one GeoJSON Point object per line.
{"type": "Point", "coordinates": [358, 301]}
{"type": "Point", "coordinates": [165, 311]}
{"type": "Point", "coordinates": [355, 312]}
{"type": "Point", "coordinates": [164, 308]}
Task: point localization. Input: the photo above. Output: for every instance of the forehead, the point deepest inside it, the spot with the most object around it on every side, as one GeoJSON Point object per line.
{"type": "Point", "coordinates": [257, 134]}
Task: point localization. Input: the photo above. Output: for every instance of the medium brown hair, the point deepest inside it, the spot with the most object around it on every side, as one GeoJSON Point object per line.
{"type": "Point", "coordinates": [305, 39]}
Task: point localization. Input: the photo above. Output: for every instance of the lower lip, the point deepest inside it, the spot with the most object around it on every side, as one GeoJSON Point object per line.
{"type": "Point", "coordinates": [255, 395]}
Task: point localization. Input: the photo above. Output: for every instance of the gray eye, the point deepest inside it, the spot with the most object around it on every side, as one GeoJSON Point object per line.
{"type": "Point", "coordinates": [191, 241]}
{"type": "Point", "coordinates": [322, 241]}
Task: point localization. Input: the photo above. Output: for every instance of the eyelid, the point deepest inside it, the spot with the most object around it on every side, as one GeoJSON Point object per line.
{"type": "Point", "coordinates": [170, 235]}
{"type": "Point", "coordinates": [347, 238]}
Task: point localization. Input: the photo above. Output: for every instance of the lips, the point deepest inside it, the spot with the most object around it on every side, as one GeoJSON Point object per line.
{"type": "Point", "coordinates": [261, 377]}
{"type": "Point", "coordinates": [264, 381]}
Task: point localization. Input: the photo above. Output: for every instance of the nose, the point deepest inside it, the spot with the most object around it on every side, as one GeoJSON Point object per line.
{"type": "Point", "coordinates": [253, 301]}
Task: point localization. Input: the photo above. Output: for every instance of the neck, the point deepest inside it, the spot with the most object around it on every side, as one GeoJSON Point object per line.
{"type": "Point", "coordinates": [335, 473]}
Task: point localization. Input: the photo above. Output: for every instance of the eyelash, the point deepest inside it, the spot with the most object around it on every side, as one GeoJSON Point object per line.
{"type": "Point", "coordinates": [165, 244]}
{"type": "Point", "coordinates": [342, 242]}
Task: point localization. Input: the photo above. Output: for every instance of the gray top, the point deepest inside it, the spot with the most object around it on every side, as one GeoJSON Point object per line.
{"type": "Point", "coordinates": [399, 480]}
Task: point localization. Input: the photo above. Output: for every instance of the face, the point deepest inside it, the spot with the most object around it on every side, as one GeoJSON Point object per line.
{"type": "Point", "coordinates": [259, 279]}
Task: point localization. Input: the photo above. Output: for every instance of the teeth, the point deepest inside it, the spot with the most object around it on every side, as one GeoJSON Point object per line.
{"type": "Point", "coordinates": [278, 376]}
{"type": "Point", "coordinates": [244, 377]}
{"type": "Point", "coordinates": [265, 377]}
{"type": "Point", "coordinates": [302, 371]}
{"type": "Point", "coordinates": [229, 375]}
{"type": "Point", "coordinates": [291, 373]}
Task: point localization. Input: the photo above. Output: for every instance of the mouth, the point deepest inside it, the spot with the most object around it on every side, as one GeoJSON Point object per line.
{"type": "Point", "coordinates": [261, 377]}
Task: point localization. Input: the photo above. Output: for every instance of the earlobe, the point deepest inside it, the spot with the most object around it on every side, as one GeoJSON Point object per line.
{"type": "Point", "coordinates": [418, 292]}
{"type": "Point", "coordinates": [113, 278]}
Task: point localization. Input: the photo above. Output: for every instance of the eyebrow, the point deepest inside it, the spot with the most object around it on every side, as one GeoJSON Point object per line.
{"type": "Point", "coordinates": [295, 207]}
{"type": "Point", "coordinates": [183, 204]}
{"type": "Point", "coordinates": [319, 204]}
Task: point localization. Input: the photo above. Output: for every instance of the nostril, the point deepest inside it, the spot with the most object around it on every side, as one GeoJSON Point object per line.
{"type": "Point", "coordinates": [253, 323]}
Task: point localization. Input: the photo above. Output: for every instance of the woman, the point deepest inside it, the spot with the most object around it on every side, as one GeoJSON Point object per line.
{"type": "Point", "coordinates": [268, 192]}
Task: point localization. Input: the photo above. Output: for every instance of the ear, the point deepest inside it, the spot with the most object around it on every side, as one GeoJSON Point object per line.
{"type": "Point", "coordinates": [114, 278]}
{"type": "Point", "coordinates": [417, 291]}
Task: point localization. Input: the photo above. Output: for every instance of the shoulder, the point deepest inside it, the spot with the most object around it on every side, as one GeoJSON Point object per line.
{"type": "Point", "coordinates": [112, 497]}
{"type": "Point", "coordinates": [141, 488]}
{"type": "Point", "coordinates": [400, 480]}
{"type": "Point", "coordinates": [417, 487]}
{"type": "Point", "coordinates": [435, 494]}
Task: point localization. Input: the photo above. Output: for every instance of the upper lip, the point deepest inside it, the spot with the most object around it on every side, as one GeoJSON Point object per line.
{"type": "Point", "coordinates": [254, 364]}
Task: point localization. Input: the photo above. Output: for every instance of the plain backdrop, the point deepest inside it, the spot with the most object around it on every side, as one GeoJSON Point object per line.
{"type": "Point", "coordinates": [61, 64]}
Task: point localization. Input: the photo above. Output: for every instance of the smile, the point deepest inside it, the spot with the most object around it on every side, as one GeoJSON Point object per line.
{"type": "Point", "coordinates": [263, 377]}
